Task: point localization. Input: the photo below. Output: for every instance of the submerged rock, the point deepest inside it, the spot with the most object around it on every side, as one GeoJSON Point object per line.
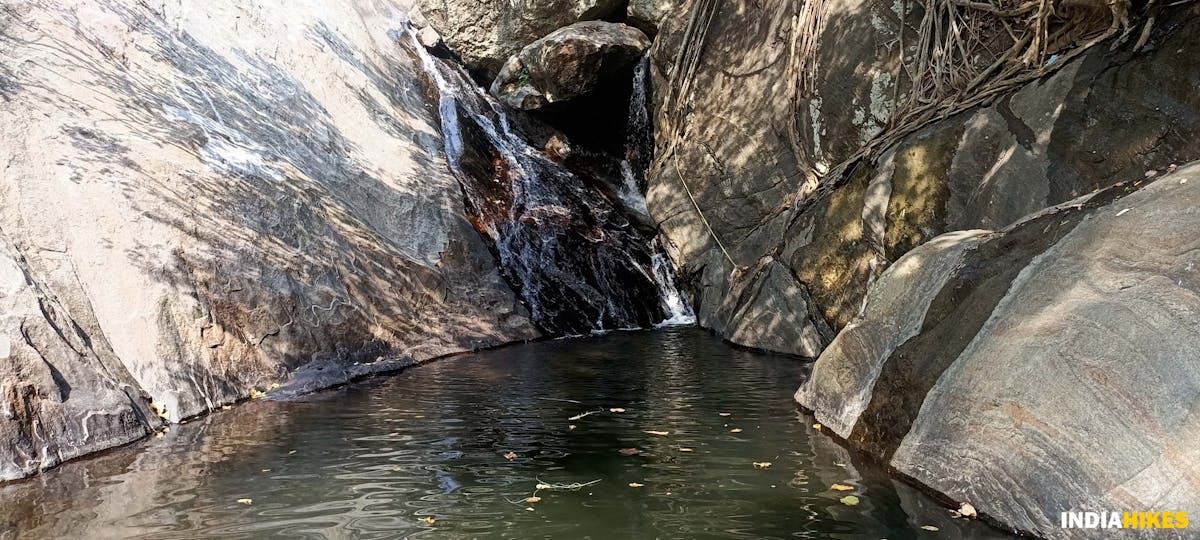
{"type": "Point", "coordinates": [570, 63]}
{"type": "Point", "coordinates": [1044, 368]}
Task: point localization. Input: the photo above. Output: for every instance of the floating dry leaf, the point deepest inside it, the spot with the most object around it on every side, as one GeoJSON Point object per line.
{"type": "Point", "coordinates": [226, 407]}
{"type": "Point", "coordinates": [529, 508]}
{"type": "Point", "coordinates": [659, 433]}
{"type": "Point", "coordinates": [510, 456]}
{"type": "Point", "coordinates": [724, 414]}
{"type": "Point", "coordinates": [635, 485]}
{"type": "Point", "coordinates": [762, 464]}
{"type": "Point", "coordinates": [246, 502]}
{"type": "Point", "coordinates": [427, 520]}
{"type": "Point", "coordinates": [817, 427]}
{"type": "Point", "coordinates": [257, 394]}
{"type": "Point", "coordinates": [266, 470]}
{"type": "Point", "coordinates": [841, 487]}
{"type": "Point", "coordinates": [849, 500]}
{"type": "Point", "coordinates": [616, 410]}
{"type": "Point", "coordinates": [736, 430]}
{"type": "Point", "coordinates": [533, 499]}
{"type": "Point", "coordinates": [966, 510]}
{"type": "Point", "coordinates": [290, 452]}
{"type": "Point", "coordinates": [686, 450]}
{"type": "Point", "coordinates": [629, 451]}
{"type": "Point", "coordinates": [930, 528]}
{"type": "Point", "coordinates": [572, 426]}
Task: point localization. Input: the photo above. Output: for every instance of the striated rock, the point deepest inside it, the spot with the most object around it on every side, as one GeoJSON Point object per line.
{"type": "Point", "coordinates": [63, 392]}
{"type": "Point", "coordinates": [1046, 368]}
{"type": "Point", "coordinates": [485, 33]}
{"type": "Point", "coordinates": [570, 63]}
{"type": "Point", "coordinates": [738, 145]}
{"type": "Point", "coordinates": [192, 212]}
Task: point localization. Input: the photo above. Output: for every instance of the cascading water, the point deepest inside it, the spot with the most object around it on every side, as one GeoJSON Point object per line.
{"type": "Point", "coordinates": [639, 150]}
{"type": "Point", "coordinates": [575, 259]}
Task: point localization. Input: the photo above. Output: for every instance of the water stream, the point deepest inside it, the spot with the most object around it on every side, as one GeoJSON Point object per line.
{"type": "Point", "coordinates": [573, 254]}
{"type": "Point", "coordinates": [452, 449]}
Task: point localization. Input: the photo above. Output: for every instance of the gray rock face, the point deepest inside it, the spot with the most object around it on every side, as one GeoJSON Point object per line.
{"type": "Point", "coordinates": [191, 212]}
{"type": "Point", "coordinates": [735, 140]}
{"type": "Point", "coordinates": [485, 33]}
{"type": "Point", "coordinates": [62, 392]}
{"type": "Point", "coordinates": [1051, 369]}
{"type": "Point", "coordinates": [568, 64]}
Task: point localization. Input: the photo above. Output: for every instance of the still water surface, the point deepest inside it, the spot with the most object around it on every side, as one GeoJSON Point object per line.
{"type": "Point", "coordinates": [382, 458]}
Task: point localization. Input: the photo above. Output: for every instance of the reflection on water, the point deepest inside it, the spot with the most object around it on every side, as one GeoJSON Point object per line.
{"type": "Point", "coordinates": [379, 459]}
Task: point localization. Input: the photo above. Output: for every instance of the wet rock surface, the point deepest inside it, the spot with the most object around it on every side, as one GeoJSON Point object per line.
{"type": "Point", "coordinates": [568, 249]}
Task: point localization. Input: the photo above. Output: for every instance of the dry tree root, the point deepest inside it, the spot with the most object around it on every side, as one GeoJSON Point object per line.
{"type": "Point", "coordinates": [968, 52]}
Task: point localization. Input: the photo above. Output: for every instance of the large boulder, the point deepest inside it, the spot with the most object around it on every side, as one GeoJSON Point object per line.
{"type": "Point", "coordinates": [737, 139]}
{"type": "Point", "coordinates": [570, 63]}
{"type": "Point", "coordinates": [191, 212]}
{"type": "Point", "coordinates": [648, 14]}
{"type": "Point", "coordinates": [485, 33]}
{"type": "Point", "coordinates": [1046, 368]}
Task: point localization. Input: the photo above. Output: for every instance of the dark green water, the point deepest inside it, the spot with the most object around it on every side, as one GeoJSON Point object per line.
{"type": "Point", "coordinates": [373, 459]}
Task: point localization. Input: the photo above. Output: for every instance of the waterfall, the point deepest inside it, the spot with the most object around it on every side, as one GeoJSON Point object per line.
{"type": "Point", "coordinates": [639, 151]}
{"type": "Point", "coordinates": [576, 260]}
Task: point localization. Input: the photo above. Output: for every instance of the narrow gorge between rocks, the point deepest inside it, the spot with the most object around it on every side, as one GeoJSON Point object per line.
{"type": "Point", "coordinates": [599, 269]}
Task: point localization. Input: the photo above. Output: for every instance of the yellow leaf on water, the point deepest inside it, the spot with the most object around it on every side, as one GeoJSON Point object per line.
{"type": "Point", "coordinates": [616, 410]}
{"type": "Point", "coordinates": [635, 485]}
{"type": "Point", "coordinates": [849, 500]}
{"type": "Point", "coordinates": [532, 500]}
{"type": "Point", "coordinates": [529, 508]}
{"type": "Point", "coordinates": [266, 470]}
{"type": "Point", "coordinates": [542, 486]}
{"type": "Point", "coordinates": [736, 430]}
{"type": "Point", "coordinates": [659, 433]}
{"type": "Point", "coordinates": [724, 414]}
{"type": "Point", "coordinates": [842, 487]}
{"type": "Point", "coordinates": [290, 452]}
{"type": "Point", "coordinates": [257, 394]}
{"type": "Point", "coordinates": [572, 426]}
{"type": "Point", "coordinates": [510, 456]}
{"type": "Point", "coordinates": [762, 464]}
{"type": "Point", "coordinates": [246, 502]}
{"type": "Point", "coordinates": [817, 427]}
{"type": "Point", "coordinates": [427, 520]}
{"type": "Point", "coordinates": [930, 528]}
{"type": "Point", "coordinates": [686, 450]}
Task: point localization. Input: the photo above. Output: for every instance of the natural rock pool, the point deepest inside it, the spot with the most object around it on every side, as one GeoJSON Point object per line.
{"type": "Point", "coordinates": [381, 458]}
